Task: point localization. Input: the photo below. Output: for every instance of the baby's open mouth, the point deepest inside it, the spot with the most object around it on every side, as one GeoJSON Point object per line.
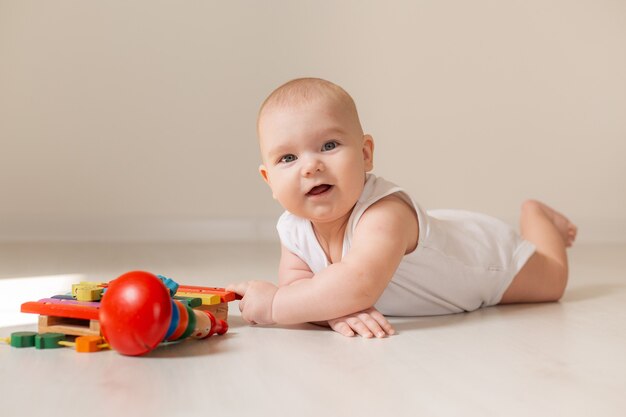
{"type": "Point", "coordinates": [319, 189]}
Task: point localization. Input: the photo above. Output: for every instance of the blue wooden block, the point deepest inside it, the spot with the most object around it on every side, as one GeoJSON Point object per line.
{"type": "Point", "coordinates": [171, 285]}
{"type": "Point", "coordinates": [63, 297]}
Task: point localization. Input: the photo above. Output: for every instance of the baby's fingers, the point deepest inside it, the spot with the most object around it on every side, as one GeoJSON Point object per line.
{"type": "Point", "coordinates": [341, 327]}
{"type": "Point", "coordinates": [372, 325]}
{"type": "Point", "coordinates": [382, 322]}
{"type": "Point", "coordinates": [240, 288]}
{"type": "Point", "coordinates": [364, 326]}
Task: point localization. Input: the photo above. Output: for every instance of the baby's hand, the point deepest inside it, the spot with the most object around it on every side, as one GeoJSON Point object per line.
{"type": "Point", "coordinates": [256, 304]}
{"type": "Point", "coordinates": [367, 323]}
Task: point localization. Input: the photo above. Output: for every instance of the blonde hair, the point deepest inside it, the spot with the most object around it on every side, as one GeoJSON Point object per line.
{"type": "Point", "coordinates": [305, 90]}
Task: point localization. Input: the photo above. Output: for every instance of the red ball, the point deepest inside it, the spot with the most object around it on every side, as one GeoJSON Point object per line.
{"type": "Point", "coordinates": [135, 313]}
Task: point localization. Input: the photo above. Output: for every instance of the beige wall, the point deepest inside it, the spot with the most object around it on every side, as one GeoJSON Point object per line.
{"type": "Point", "coordinates": [135, 119]}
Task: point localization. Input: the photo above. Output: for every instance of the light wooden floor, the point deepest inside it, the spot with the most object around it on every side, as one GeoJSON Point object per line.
{"type": "Point", "coordinates": [566, 358]}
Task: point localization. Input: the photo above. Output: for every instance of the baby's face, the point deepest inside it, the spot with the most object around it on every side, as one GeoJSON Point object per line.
{"type": "Point", "coordinates": [315, 157]}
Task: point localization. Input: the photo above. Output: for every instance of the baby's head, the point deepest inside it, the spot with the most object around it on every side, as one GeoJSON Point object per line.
{"type": "Point", "coordinates": [314, 152]}
{"type": "Point", "coordinates": [302, 91]}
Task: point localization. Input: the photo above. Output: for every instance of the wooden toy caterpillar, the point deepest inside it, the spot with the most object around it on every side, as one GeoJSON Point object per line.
{"type": "Point", "coordinates": [188, 322]}
{"type": "Point", "coordinates": [137, 313]}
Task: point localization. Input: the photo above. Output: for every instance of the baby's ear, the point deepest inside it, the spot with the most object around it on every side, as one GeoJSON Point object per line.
{"type": "Point", "coordinates": [368, 152]}
{"type": "Point", "coordinates": [263, 172]}
{"type": "Point", "coordinates": [266, 178]}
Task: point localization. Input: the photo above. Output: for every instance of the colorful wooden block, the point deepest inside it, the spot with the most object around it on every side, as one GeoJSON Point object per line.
{"type": "Point", "coordinates": [171, 285]}
{"type": "Point", "coordinates": [192, 302]}
{"type": "Point", "coordinates": [225, 296]}
{"type": "Point", "coordinates": [87, 344]}
{"type": "Point", "coordinates": [86, 292]}
{"type": "Point", "coordinates": [63, 297]}
{"type": "Point", "coordinates": [207, 299]}
{"type": "Point", "coordinates": [23, 339]}
{"type": "Point", "coordinates": [49, 340]}
{"type": "Point", "coordinates": [76, 287]}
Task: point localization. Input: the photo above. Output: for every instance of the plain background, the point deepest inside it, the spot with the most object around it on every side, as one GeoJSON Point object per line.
{"type": "Point", "coordinates": [135, 120]}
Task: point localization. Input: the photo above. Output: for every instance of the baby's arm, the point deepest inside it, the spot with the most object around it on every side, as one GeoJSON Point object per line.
{"type": "Point", "coordinates": [292, 268]}
{"type": "Point", "coordinates": [366, 323]}
{"type": "Point", "coordinates": [386, 231]}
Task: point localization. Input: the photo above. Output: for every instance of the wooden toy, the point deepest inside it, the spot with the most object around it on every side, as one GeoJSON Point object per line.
{"type": "Point", "coordinates": [134, 313]}
{"type": "Point", "coordinates": [137, 314]}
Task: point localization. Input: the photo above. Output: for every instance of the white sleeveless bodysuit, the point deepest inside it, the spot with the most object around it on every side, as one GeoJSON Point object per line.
{"type": "Point", "coordinates": [463, 260]}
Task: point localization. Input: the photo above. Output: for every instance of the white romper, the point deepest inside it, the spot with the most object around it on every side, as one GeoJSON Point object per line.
{"type": "Point", "coordinates": [463, 260]}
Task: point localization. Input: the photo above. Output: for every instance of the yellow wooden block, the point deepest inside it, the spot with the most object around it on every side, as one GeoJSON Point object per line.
{"type": "Point", "coordinates": [88, 294]}
{"type": "Point", "coordinates": [81, 286]}
{"type": "Point", "coordinates": [207, 299]}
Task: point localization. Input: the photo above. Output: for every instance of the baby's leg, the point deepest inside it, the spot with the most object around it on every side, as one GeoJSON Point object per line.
{"type": "Point", "coordinates": [544, 276]}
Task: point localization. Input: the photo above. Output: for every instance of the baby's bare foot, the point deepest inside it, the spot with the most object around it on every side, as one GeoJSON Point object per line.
{"type": "Point", "coordinates": [567, 229]}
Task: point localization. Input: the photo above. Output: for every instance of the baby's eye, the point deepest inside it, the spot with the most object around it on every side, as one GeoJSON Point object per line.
{"type": "Point", "coordinates": [288, 158]}
{"type": "Point", "coordinates": [329, 146]}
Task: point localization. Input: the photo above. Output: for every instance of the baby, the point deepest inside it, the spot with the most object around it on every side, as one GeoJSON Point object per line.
{"type": "Point", "coordinates": [356, 247]}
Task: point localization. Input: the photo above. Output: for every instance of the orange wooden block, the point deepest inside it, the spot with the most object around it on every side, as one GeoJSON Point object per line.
{"type": "Point", "coordinates": [225, 296]}
{"type": "Point", "coordinates": [87, 344]}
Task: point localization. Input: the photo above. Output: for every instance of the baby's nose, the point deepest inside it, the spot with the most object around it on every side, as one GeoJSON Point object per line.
{"type": "Point", "coordinates": [312, 166]}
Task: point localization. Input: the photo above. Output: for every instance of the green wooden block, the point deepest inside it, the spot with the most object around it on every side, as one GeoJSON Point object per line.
{"type": "Point", "coordinates": [48, 340]}
{"type": "Point", "coordinates": [192, 302]}
{"type": "Point", "coordinates": [23, 339]}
